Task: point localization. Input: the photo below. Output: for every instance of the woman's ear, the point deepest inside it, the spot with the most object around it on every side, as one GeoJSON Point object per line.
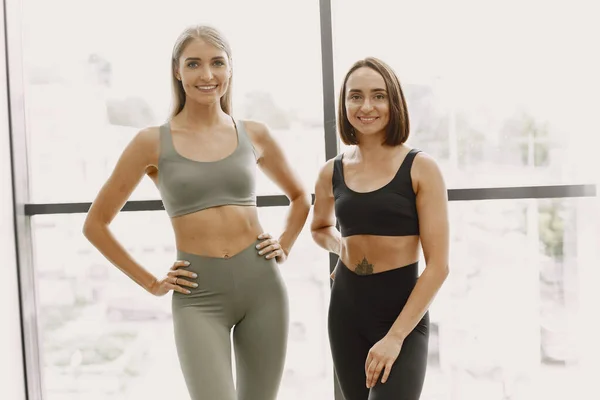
{"type": "Point", "coordinates": [176, 71]}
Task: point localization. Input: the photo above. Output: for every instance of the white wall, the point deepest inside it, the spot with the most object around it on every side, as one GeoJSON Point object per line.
{"type": "Point", "coordinates": [12, 380]}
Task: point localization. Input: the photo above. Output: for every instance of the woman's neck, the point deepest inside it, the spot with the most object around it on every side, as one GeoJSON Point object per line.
{"type": "Point", "coordinates": [197, 116]}
{"type": "Point", "coordinates": [371, 148]}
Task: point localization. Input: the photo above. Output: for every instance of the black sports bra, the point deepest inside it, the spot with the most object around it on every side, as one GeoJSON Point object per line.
{"type": "Point", "coordinates": [388, 211]}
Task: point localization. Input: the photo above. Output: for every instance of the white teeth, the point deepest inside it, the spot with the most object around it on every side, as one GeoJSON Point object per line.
{"type": "Point", "coordinates": [369, 119]}
{"type": "Point", "coordinates": [206, 87]}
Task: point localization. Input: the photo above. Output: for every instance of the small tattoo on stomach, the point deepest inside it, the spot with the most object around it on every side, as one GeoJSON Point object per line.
{"type": "Point", "coordinates": [364, 267]}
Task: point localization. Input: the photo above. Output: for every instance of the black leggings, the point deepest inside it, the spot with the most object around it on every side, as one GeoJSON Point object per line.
{"type": "Point", "coordinates": [362, 309]}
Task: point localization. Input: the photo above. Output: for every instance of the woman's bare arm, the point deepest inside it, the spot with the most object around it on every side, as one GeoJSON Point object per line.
{"type": "Point", "coordinates": [432, 208]}
{"type": "Point", "coordinates": [322, 227]}
{"type": "Point", "coordinates": [274, 164]}
{"type": "Point", "coordinates": [140, 155]}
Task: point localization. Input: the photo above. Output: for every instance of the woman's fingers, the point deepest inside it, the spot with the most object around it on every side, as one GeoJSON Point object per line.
{"type": "Point", "coordinates": [183, 272]}
{"type": "Point", "coordinates": [176, 277]}
{"type": "Point", "coordinates": [269, 247]}
{"type": "Point", "coordinates": [273, 246]}
{"type": "Point", "coordinates": [179, 289]}
{"type": "Point", "coordinates": [179, 264]}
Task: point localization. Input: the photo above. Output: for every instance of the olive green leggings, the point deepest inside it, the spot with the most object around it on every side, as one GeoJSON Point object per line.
{"type": "Point", "coordinates": [245, 293]}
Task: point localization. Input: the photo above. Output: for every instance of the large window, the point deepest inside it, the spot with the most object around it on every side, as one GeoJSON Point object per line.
{"type": "Point", "coordinates": [500, 93]}
{"type": "Point", "coordinates": [101, 72]}
{"type": "Point", "coordinates": [92, 80]}
{"type": "Point", "coordinates": [104, 337]}
{"type": "Point", "coordinates": [514, 318]}
{"type": "Point", "coordinates": [513, 321]}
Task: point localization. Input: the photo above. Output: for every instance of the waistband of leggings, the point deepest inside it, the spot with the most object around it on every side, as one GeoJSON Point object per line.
{"type": "Point", "coordinates": [406, 275]}
{"type": "Point", "coordinates": [248, 252]}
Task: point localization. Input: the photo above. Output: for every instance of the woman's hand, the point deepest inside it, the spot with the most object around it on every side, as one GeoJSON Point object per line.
{"type": "Point", "coordinates": [382, 355]}
{"type": "Point", "coordinates": [271, 248]}
{"type": "Point", "coordinates": [174, 281]}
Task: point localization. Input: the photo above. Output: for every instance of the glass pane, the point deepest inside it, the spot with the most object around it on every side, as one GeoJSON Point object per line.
{"type": "Point", "coordinates": [103, 337]}
{"type": "Point", "coordinates": [500, 93]}
{"type": "Point", "coordinates": [517, 318]}
{"type": "Point", "coordinates": [94, 80]}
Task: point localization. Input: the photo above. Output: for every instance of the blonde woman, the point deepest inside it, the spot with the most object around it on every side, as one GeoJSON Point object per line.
{"type": "Point", "coordinates": [226, 277]}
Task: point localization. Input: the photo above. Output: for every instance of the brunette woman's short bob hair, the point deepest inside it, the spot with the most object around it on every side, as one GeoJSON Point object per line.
{"type": "Point", "coordinates": [398, 127]}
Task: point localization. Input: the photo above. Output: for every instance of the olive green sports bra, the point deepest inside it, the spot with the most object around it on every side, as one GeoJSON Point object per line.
{"type": "Point", "coordinates": [187, 186]}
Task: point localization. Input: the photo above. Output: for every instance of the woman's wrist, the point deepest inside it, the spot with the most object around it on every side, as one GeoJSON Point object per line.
{"type": "Point", "coordinates": [284, 246]}
{"type": "Point", "coordinates": [150, 286]}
